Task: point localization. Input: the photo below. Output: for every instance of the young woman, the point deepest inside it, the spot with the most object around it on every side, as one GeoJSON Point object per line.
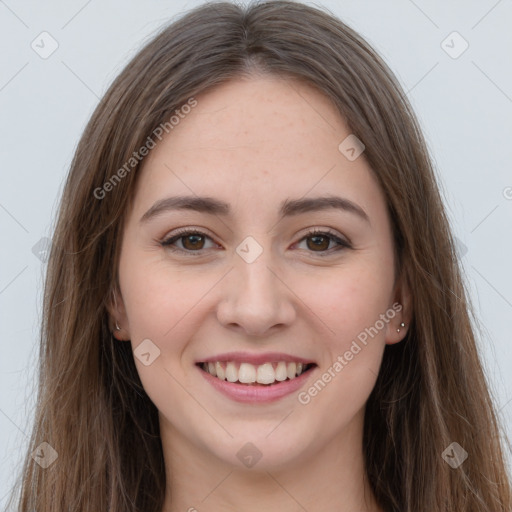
{"type": "Point", "coordinates": [253, 300]}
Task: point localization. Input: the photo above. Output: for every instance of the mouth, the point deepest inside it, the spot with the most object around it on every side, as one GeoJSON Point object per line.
{"type": "Point", "coordinates": [263, 375]}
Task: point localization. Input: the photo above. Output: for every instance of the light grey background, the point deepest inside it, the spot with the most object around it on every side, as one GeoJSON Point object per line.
{"type": "Point", "coordinates": [464, 105]}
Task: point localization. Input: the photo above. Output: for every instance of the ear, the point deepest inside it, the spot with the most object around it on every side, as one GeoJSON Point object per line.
{"type": "Point", "coordinates": [118, 320]}
{"type": "Point", "coordinates": [402, 306]}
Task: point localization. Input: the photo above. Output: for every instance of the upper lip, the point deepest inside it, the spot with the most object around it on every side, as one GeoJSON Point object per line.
{"type": "Point", "coordinates": [255, 359]}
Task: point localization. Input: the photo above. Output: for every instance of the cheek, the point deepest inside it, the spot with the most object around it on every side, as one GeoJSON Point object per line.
{"type": "Point", "coordinates": [351, 304]}
{"type": "Point", "coordinates": [158, 296]}
{"type": "Point", "coordinates": [160, 306]}
{"type": "Point", "coordinates": [349, 300]}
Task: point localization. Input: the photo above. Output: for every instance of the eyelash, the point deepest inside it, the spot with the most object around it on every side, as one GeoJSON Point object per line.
{"type": "Point", "coordinates": [342, 244]}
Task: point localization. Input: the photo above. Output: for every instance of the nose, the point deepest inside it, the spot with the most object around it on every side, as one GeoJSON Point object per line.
{"type": "Point", "coordinates": [256, 299]}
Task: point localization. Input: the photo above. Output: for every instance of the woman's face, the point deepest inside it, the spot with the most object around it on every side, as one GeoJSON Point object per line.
{"type": "Point", "coordinates": [256, 290]}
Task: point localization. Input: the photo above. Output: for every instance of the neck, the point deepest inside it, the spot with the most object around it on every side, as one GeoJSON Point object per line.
{"type": "Point", "coordinates": [329, 476]}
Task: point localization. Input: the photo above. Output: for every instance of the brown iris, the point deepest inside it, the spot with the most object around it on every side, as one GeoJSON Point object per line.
{"type": "Point", "coordinates": [194, 239]}
{"type": "Point", "coordinates": [318, 244]}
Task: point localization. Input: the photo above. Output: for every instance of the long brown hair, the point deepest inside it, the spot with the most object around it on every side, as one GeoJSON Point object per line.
{"type": "Point", "coordinates": [431, 390]}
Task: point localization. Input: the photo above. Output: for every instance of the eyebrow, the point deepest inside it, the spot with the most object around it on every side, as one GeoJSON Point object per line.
{"type": "Point", "coordinates": [289, 207]}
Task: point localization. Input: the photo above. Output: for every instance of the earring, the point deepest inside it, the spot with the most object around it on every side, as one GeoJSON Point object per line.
{"type": "Point", "coordinates": [115, 303]}
{"type": "Point", "coordinates": [401, 325]}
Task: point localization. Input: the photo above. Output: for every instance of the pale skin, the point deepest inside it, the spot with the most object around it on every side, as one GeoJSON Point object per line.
{"type": "Point", "coordinates": [254, 143]}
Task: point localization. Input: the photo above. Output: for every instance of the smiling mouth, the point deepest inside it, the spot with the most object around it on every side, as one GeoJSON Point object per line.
{"type": "Point", "coordinates": [266, 374]}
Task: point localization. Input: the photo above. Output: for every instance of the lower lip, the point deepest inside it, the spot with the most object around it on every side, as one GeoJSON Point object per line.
{"type": "Point", "coordinates": [261, 394]}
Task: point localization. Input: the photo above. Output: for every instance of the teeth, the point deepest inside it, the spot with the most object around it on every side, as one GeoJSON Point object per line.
{"type": "Point", "coordinates": [281, 372]}
{"type": "Point", "coordinates": [218, 371]}
{"type": "Point", "coordinates": [266, 374]}
{"type": "Point", "coordinates": [247, 373]}
{"type": "Point", "coordinates": [231, 372]}
{"type": "Point", "coordinates": [291, 370]}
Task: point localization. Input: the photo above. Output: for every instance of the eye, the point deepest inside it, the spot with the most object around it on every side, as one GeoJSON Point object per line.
{"type": "Point", "coordinates": [319, 241]}
{"type": "Point", "coordinates": [191, 241]}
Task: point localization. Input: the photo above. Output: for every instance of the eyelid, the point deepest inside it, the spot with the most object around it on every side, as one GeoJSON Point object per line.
{"type": "Point", "coordinates": [182, 232]}
{"type": "Point", "coordinates": [326, 231]}
{"type": "Point", "coordinates": [342, 241]}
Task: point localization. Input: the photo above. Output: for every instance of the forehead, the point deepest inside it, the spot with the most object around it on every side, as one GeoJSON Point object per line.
{"type": "Point", "coordinates": [262, 139]}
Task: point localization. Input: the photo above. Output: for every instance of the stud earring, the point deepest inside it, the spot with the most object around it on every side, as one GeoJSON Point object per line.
{"type": "Point", "coordinates": [401, 325]}
{"type": "Point", "coordinates": [117, 327]}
